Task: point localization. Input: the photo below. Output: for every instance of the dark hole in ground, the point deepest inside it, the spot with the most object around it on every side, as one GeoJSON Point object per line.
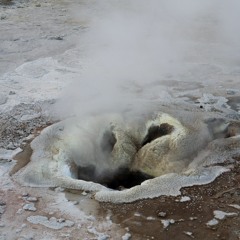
{"type": "Point", "coordinates": [119, 180]}
{"type": "Point", "coordinates": [122, 177]}
{"type": "Point", "coordinates": [125, 178]}
{"type": "Point", "coordinates": [155, 132]}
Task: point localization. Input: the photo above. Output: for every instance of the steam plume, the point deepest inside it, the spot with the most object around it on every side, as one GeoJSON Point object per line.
{"type": "Point", "coordinates": [130, 45]}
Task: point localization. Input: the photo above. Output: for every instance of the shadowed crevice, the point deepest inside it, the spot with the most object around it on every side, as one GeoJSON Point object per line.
{"type": "Point", "coordinates": [118, 180]}
{"type": "Point", "coordinates": [155, 132]}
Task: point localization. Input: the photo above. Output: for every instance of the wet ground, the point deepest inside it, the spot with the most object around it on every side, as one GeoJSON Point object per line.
{"type": "Point", "coordinates": [144, 218]}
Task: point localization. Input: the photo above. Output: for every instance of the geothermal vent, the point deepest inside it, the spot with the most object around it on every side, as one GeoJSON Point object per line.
{"type": "Point", "coordinates": [122, 161]}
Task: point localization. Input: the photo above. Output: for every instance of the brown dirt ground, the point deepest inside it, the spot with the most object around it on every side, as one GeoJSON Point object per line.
{"type": "Point", "coordinates": [205, 199]}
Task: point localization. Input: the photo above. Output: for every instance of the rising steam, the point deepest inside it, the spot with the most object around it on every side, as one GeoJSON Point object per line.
{"type": "Point", "coordinates": [130, 45]}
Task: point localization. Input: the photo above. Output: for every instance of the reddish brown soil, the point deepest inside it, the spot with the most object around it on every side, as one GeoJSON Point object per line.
{"type": "Point", "coordinates": [205, 199]}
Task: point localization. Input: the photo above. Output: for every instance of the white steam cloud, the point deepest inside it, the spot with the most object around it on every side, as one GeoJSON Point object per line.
{"type": "Point", "coordinates": [131, 44]}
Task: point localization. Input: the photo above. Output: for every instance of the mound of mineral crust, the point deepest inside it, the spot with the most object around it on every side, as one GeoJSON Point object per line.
{"type": "Point", "coordinates": [90, 153]}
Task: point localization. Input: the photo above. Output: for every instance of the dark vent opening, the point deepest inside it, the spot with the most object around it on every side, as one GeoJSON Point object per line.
{"type": "Point", "coordinates": [121, 179]}
{"type": "Point", "coordinates": [155, 132]}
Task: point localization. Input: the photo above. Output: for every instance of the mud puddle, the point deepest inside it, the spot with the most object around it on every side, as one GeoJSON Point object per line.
{"type": "Point", "coordinates": [83, 201]}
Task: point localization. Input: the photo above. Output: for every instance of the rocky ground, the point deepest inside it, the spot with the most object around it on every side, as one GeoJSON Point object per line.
{"type": "Point", "coordinates": [38, 58]}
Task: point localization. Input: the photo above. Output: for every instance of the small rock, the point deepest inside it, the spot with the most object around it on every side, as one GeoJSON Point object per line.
{"type": "Point", "coordinates": [29, 137]}
{"type": "Point", "coordinates": [32, 199]}
{"type": "Point", "coordinates": [2, 225]}
{"type": "Point", "coordinates": [11, 146]}
{"type": "Point", "coordinates": [222, 215]}
{"type": "Point", "coordinates": [2, 209]}
{"type": "Point", "coordinates": [75, 202]}
{"type": "Point", "coordinates": [136, 214]}
{"type": "Point", "coordinates": [185, 199]}
{"type": "Point", "coordinates": [61, 220]}
{"type": "Point", "coordinates": [20, 132]}
{"type": "Point", "coordinates": [84, 193]}
{"type": "Point", "coordinates": [99, 236]}
{"type": "Point", "coordinates": [167, 222]}
{"type": "Point", "coordinates": [193, 218]}
{"type": "Point", "coordinates": [25, 195]}
{"type": "Point", "coordinates": [127, 236]}
{"type": "Point", "coordinates": [235, 206]}
{"type": "Point", "coordinates": [212, 222]}
{"type": "Point", "coordinates": [65, 235]}
{"type": "Point", "coordinates": [38, 5]}
{"type": "Point", "coordinates": [91, 218]}
{"type": "Point", "coordinates": [151, 218]}
{"type": "Point", "coordinates": [180, 220]}
{"type": "Point", "coordinates": [2, 203]}
{"type": "Point", "coordinates": [59, 189]}
{"type": "Point", "coordinates": [109, 218]}
{"type": "Point", "coordinates": [162, 214]}
{"type": "Point", "coordinates": [12, 93]}
{"type": "Point", "coordinates": [59, 38]}
{"type": "Point", "coordinates": [29, 207]}
{"type": "Point", "coordinates": [20, 211]}
{"type": "Point", "coordinates": [18, 230]}
{"type": "Point", "coordinates": [190, 234]}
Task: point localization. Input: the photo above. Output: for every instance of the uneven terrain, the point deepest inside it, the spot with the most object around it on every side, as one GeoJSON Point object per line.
{"type": "Point", "coordinates": [40, 55]}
